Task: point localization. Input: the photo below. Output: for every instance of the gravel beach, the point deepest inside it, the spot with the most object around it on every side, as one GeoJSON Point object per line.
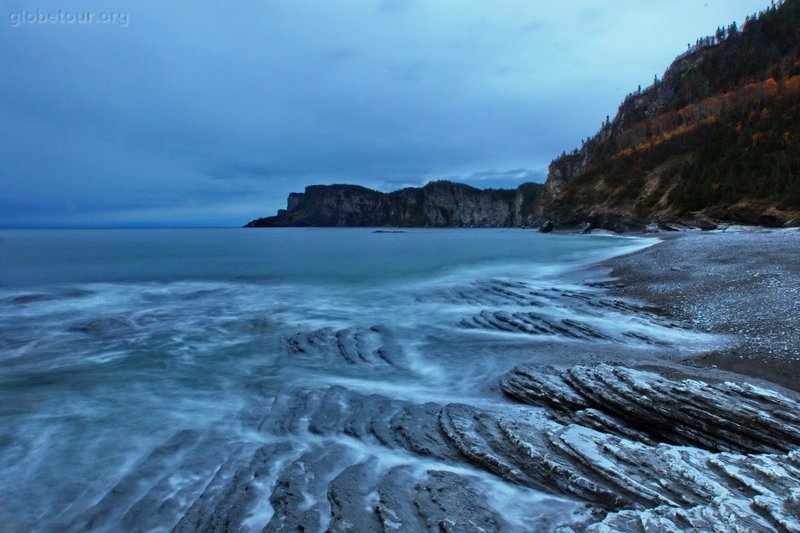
{"type": "Point", "coordinates": [743, 285]}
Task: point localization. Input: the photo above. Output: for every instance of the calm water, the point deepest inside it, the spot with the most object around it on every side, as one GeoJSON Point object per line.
{"type": "Point", "coordinates": [113, 341]}
{"type": "Point", "coordinates": [35, 258]}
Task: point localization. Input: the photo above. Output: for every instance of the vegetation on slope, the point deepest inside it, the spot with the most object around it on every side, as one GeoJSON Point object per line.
{"type": "Point", "coordinates": [720, 130]}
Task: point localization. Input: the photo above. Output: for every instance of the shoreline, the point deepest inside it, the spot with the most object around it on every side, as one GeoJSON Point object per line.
{"type": "Point", "coordinates": [497, 402]}
{"type": "Point", "coordinates": [741, 285]}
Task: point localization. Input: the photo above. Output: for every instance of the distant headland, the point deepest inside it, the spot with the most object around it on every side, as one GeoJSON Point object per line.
{"type": "Point", "coordinates": [716, 138]}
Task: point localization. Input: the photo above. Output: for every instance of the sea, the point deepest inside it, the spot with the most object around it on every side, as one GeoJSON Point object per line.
{"type": "Point", "coordinates": [115, 344]}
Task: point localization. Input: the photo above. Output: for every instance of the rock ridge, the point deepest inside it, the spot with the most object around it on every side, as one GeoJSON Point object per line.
{"type": "Point", "coordinates": [437, 204]}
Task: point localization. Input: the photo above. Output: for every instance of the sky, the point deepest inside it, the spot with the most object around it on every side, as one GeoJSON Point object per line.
{"type": "Point", "coordinates": [208, 113]}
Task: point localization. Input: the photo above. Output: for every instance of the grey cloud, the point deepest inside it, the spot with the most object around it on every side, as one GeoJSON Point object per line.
{"type": "Point", "coordinates": [212, 114]}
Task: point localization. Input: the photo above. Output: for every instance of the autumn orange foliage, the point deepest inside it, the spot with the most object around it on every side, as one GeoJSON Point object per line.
{"type": "Point", "coordinates": [666, 126]}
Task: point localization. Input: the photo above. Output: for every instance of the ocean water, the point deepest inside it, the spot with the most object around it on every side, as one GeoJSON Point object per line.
{"type": "Point", "coordinates": [119, 346]}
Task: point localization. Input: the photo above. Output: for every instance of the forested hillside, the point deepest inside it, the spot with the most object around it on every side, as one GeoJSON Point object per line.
{"type": "Point", "coordinates": [718, 133]}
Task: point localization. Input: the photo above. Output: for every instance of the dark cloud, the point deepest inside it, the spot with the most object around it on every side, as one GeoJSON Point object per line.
{"type": "Point", "coordinates": [213, 113]}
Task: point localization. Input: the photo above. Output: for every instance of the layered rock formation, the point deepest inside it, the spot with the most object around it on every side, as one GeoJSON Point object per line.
{"type": "Point", "coordinates": [617, 448]}
{"type": "Point", "coordinates": [646, 453]}
{"type": "Point", "coordinates": [346, 427]}
{"type": "Point", "coordinates": [438, 204]}
{"type": "Point", "coordinates": [668, 455]}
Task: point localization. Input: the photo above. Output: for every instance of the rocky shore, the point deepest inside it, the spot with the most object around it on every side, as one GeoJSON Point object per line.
{"type": "Point", "coordinates": [584, 422]}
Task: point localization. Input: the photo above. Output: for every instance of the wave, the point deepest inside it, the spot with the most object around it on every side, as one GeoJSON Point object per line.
{"type": "Point", "coordinates": [189, 404]}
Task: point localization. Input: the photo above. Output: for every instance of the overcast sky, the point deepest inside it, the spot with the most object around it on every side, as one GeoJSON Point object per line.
{"type": "Point", "coordinates": [210, 113]}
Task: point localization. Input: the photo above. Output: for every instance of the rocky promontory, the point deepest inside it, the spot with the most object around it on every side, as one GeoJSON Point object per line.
{"type": "Point", "coordinates": [715, 139]}
{"type": "Point", "coordinates": [437, 204]}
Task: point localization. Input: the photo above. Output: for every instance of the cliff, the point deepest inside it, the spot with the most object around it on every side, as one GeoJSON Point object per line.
{"type": "Point", "coordinates": [437, 204]}
{"type": "Point", "coordinates": [717, 137]}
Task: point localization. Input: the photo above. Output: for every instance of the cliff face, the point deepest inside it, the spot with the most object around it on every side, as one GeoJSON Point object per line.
{"type": "Point", "coordinates": [717, 137]}
{"type": "Point", "coordinates": [438, 204]}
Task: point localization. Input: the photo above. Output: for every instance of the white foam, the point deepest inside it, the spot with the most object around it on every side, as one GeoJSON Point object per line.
{"type": "Point", "coordinates": [104, 376]}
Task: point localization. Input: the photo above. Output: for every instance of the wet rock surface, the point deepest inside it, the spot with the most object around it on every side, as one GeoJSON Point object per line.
{"type": "Point", "coordinates": [584, 314]}
{"type": "Point", "coordinates": [643, 452]}
{"type": "Point", "coordinates": [726, 416]}
{"type": "Point", "coordinates": [348, 428]}
{"type": "Point", "coordinates": [689, 482]}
